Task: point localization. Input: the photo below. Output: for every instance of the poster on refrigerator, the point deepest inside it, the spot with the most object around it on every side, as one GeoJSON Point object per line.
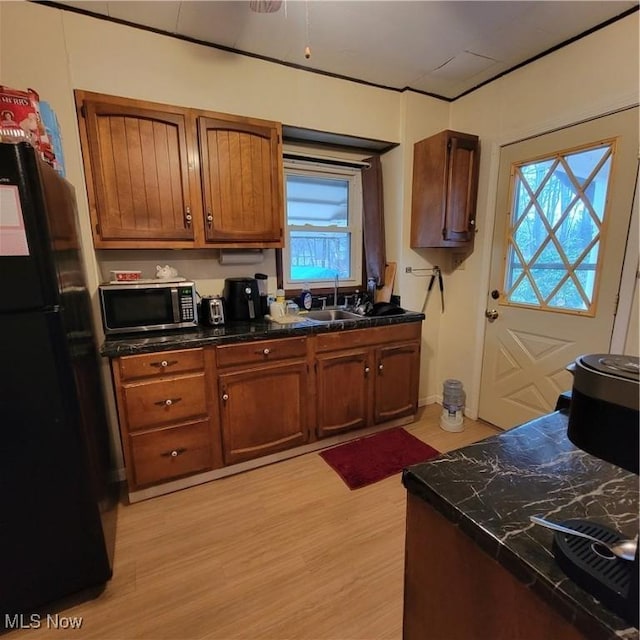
{"type": "Point", "coordinates": [13, 237]}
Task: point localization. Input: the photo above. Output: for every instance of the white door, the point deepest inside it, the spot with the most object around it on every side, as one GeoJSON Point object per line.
{"type": "Point", "coordinates": [563, 208]}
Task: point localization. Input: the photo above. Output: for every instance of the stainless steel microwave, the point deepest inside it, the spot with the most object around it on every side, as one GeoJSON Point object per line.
{"type": "Point", "coordinates": [148, 306]}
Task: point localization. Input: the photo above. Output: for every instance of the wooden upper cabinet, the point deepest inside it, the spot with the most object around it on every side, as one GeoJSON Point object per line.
{"type": "Point", "coordinates": [160, 176]}
{"type": "Point", "coordinates": [137, 172]}
{"type": "Point", "coordinates": [242, 184]}
{"type": "Point", "coordinates": [444, 191]}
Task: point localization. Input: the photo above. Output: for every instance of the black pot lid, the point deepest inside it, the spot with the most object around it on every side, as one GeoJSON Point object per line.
{"type": "Point", "coordinates": [614, 365]}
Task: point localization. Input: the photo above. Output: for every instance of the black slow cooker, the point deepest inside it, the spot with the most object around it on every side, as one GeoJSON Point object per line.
{"type": "Point", "coordinates": [603, 416]}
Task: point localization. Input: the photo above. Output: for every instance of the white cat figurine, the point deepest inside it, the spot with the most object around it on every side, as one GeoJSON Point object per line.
{"type": "Point", "coordinates": [166, 272]}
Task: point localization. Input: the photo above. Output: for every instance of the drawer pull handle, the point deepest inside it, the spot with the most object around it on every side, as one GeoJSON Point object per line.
{"type": "Point", "coordinates": [225, 396]}
{"type": "Point", "coordinates": [164, 363]}
{"type": "Point", "coordinates": [168, 402]}
{"type": "Point", "coordinates": [173, 454]}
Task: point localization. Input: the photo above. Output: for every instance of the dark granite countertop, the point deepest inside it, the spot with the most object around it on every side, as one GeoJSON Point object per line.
{"type": "Point", "coordinates": [116, 346]}
{"type": "Point", "coordinates": [489, 489]}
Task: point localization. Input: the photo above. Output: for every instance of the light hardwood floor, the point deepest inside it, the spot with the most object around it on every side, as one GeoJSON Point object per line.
{"type": "Point", "coordinates": [285, 551]}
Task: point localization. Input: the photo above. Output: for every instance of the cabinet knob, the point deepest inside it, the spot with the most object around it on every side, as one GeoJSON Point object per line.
{"type": "Point", "coordinates": [266, 352]}
{"type": "Point", "coordinates": [366, 370]}
{"type": "Point", "coordinates": [225, 396]}
{"type": "Point", "coordinates": [380, 367]}
{"type": "Point", "coordinates": [188, 217]}
{"type": "Point", "coordinates": [174, 453]}
{"type": "Point", "coordinates": [164, 363]}
{"type": "Point", "coordinates": [168, 402]}
{"type": "Point", "coordinates": [209, 218]}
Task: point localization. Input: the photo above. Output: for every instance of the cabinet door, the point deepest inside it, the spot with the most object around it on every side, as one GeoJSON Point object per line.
{"type": "Point", "coordinates": [397, 370]}
{"type": "Point", "coordinates": [343, 391]}
{"type": "Point", "coordinates": [444, 190]}
{"type": "Point", "coordinates": [138, 174]}
{"type": "Point", "coordinates": [241, 165]}
{"type": "Point", "coordinates": [263, 410]}
{"type": "Point", "coordinates": [462, 188]}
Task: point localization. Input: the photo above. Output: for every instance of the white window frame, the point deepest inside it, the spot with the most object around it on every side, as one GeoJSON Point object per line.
{"type": "Point", "coordinates": [354, 218]}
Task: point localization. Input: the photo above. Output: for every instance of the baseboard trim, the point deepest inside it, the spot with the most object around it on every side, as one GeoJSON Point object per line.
{"type": "Point", "coordinates": [215, 474]}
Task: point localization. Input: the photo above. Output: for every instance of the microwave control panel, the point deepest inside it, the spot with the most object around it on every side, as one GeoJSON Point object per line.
{"type": "Point", "coordinates": [187, 305]}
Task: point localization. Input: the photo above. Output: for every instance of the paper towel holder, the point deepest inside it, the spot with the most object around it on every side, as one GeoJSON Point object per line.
{"type": "Point", "coordinates": [241, 256]}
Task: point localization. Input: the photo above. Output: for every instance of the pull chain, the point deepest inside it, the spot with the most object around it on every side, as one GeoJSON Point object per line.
{"type": "Point", "coordinates": [307, 49]}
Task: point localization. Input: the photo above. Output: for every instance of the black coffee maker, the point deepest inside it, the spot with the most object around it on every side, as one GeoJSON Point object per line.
{"type": "Point", "coordinates": [604, 421]}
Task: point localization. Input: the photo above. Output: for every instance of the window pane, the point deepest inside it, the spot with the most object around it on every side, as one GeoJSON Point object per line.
{"type": "Point", "coordinates": [577, 231]}
{"type": "Point", "coordinates": [319, 202]}
{"type": "Point", "coordinates": [319, 255]}
{"type": "Point", "coordinates": [568, 297]}
{"type": "Point", "coordinates": [530, 234]}
{"type": "Point", "coordinates": [524, 293]}
{"type": "Point", "coordinates": [534, 174]}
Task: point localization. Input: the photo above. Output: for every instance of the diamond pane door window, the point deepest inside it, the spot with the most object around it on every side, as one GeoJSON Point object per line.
{"type": "Point", "coordinates": [556, 229]}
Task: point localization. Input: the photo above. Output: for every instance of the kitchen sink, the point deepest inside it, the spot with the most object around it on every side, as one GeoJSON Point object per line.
{"type": "Point", "coordinates": [331, 315]}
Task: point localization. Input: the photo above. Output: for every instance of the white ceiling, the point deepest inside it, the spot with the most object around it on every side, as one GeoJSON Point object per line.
{"type": "Point", "coordinates": [439, 47]}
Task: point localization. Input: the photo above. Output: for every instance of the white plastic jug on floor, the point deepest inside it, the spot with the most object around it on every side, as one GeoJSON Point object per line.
{"type": "Point", "coordinates": [453, 398]}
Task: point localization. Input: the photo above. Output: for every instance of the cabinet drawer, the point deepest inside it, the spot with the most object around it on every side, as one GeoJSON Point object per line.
{"type": "Point", "coordinates": [168, 453]}
{"type": "Point", "coordinates": [154, 365]}
{"type": "Point", "coordinates": [367, 337]}
{"type": "Point", "coordinates": [261, 351]}
{"type": "Point", "coordinates": [165, 401]}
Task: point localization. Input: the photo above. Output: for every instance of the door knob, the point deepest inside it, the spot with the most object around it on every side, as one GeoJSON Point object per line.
{"type": "Point", "coordinates": [492, 314]}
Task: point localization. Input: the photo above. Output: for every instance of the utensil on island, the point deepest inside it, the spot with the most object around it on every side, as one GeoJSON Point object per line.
{"type": "Point", "coordinates": [625, 549]}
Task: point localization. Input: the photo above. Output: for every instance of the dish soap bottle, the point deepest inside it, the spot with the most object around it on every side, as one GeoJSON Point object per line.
{"type": "Point", "coordinates": [277, 308]}
{"type": "Point", "coordinates": [305, 298]}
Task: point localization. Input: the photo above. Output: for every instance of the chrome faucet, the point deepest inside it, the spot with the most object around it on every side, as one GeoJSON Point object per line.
{"type": "Point", "coordinates": [335, 291]}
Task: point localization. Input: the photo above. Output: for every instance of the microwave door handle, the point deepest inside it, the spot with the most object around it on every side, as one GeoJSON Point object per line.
{"type": "Point", "coordinates": [175, 304]}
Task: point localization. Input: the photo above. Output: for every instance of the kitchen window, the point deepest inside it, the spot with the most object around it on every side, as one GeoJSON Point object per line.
{"type": "Point", "coordinates": [323, 236]}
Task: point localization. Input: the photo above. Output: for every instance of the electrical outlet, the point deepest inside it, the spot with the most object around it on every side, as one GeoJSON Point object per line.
{"type": "Point", "coordinates": [408, 269]}
{"type": "Point", "coordinates": [457, 260]}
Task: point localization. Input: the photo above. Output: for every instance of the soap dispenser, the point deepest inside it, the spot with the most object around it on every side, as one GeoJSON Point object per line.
{"type": "Point", "coordinates": [305, 298]}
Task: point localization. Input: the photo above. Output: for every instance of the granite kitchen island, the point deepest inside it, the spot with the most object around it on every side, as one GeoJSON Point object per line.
{"type": "Point", "coordinates": [476, 567]}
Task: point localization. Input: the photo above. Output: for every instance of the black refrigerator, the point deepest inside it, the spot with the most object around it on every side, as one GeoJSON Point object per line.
{"type": "Point", "coordinates": [57, 502]}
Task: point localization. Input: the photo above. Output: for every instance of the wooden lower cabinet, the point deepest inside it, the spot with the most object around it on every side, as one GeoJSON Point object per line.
{"type": "Point", "coordinates": [171, 452]}
{"type": "Point", "coordinates": [369, 385]}
{"type": "Point", "coordinates": [164, 409]}
{"type": "Point", "coordinates": [397, 369]}
{"type": "Point", "coordinates": [342, 380]}
{"type": "Point", "coordinates": [263, 410]}
{"type": "Point", "coordinates": [189, 411]}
